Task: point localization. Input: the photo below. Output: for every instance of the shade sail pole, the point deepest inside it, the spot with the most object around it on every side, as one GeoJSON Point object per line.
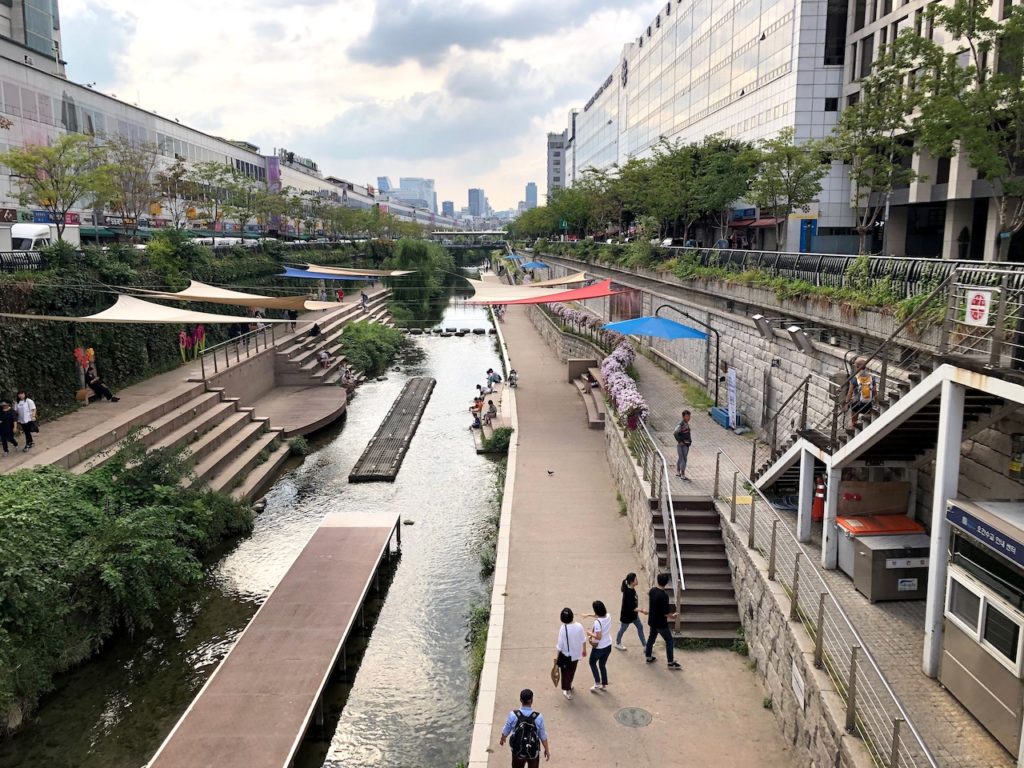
{"type": "Point", "coordinates": [718, 340]}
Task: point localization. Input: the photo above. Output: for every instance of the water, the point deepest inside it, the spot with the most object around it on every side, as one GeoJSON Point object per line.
{"type": "Point", "coordinates": [410, 702]}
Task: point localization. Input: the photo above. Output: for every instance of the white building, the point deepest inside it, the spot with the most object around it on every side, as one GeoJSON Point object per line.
{"type": "Point", "coordinates": [556, 160]}
{"type": "Point", "coordinates": [740, 68]}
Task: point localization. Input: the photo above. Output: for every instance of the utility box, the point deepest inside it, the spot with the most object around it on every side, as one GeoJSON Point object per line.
{"type": "Point", "coordinates": [891, 567]}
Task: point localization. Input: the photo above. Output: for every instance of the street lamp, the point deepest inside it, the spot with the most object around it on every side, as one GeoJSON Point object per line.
{"type": "Point", "coordinates": [718, 341]}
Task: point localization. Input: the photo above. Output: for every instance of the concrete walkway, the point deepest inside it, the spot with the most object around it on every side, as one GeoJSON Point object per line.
{"type": "Point", "coordinates": [569, 546]}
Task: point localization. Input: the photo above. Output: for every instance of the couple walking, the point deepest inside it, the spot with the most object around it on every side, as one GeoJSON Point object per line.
{"type": "Point", "coordinates": [573, 639]}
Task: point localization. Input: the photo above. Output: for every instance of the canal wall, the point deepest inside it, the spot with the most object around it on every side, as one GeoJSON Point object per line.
{"type": "Point", "coordinates": [250, 379]}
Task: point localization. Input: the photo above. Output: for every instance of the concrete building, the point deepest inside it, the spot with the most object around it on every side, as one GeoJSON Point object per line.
{"type": "Point", "coordinates": [384, 185]}
{"type": "Point", "coordinates": [417, 192]}
{"type": "Point", "coordinates": [531, 195]}
{"type": "Point", "coordinates": [448, 209]}
{"type": "Point", "coordinates": [556, 160]}
{"type": "Point", "coordinates": [477, 203]}
{"type": "Point", "coordinates": [30, 34]}
{"type": "Point", "coordinates": [741, 69]}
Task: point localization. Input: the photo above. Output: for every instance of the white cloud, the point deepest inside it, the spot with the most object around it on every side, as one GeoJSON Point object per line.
{"type": "Point", "coordinates": [338, 81]}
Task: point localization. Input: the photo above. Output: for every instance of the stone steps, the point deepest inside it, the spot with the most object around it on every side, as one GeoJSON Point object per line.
{"type": "Point", "coordinates": [245, 460]}
{"type": "Point", "coordinates": [262, 475]}
{"type": "Point", "coordinates": [225, 450]}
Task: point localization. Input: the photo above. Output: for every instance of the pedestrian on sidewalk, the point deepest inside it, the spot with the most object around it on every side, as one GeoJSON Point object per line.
{"type": "Point", "coordinates": [526, 734]}
{"type": "Point", "coordinates": [364, 301]}
{"type": "Point", "coordinates": [92, 378]}
{"type": "Point", "coordinates": [571, 647]}
{"type": "Point", "coordinates": [630, 612]}
{"type": "Point", "coordinates": [340, 293]}
{"type": "Point", "coordinates": [657, 619]}
{"type": "Point", "coordinates": [293, 315]}
{"type": "Point", "coordinates": [25, 408]}
{"type": "Point", "coordinates": [683, 440]}
{"type": "Point", "coordinates": [600, 638]}
{"type": "Point", "coordinates": [7, 420]}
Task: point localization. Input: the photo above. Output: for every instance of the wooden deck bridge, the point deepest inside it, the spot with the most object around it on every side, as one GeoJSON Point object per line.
{"type": "Point", "coordinates": [383, 455]}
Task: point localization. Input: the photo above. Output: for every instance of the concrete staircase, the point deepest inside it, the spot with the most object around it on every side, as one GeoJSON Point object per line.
{"type": "Point", "coordinates": [708, 608]}
{"type": "Point", "coordinates": [296, 363]}
{"type": "Point", "coordinates": [227, 447]}
{"type": "Point", "coordinates": [593, 398]}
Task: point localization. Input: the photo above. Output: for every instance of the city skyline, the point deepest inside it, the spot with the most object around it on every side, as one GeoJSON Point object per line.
{"type": "Point", "coordinates": [468, 104]}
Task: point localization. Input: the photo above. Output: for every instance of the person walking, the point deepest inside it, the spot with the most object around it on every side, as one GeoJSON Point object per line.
{"type": "Point", "coordinates": [683, 440]}
{"type": "Point", "coordinates": [293, 316]}
{"type": "Point", "coordinates": [25, 408]}
{"type": "Point", "coordinates": [7, 420]}
{"type": "Point", "coordinates": [526, 733]}
{"type": "Point", "coordinates": [571, 647]}
{"type": "Point", "coordinates": [861, 392]}
{"type": "Point", "coordinates": [600, 637]}
{"type": "Point", "coordinates": [657, 619]}
{"type": "Point", "coordinates": [92, 378]}
{"type": "Point", "coordinates": [364, 301]}
{"type": "Point", "coordinates": [630, 612]}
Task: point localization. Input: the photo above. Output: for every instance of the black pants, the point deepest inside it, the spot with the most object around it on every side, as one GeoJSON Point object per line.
{"type": "Point", "coordinates": [652, 636]}
{"type": "Point", "coordinates": [7, 436]}
{"type": "Point", "coordinates": [26, 430]}
{"type": "Point", "coordinates": [522, 762]}
{"type": "Point", "coordinates": [568, 674]}
{"type": "Point", "coordinates": [101, 390]}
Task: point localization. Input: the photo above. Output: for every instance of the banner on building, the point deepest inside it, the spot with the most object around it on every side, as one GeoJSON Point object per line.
{"type": "Point", "coordinates": [979, 304]}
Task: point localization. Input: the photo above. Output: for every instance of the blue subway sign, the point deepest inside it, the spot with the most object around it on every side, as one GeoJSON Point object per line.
{"type": "Point", "coordinates": [995, 540]}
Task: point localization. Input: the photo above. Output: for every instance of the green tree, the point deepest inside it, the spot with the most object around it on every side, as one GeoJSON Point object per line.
{"type": "Point", "coordinates": [572, 206]}
{"type": "Point", "coordinates": [243, 199]}
{"type": "Point", "coordinates": [211, 180]}
{"type": "Point", "coordinates": [174, 191]}
{"type": "Point", "coordinates": [69, 172]}
{"type": "Point", "coordinates": [132, 169]}
{"type": "Point", "coordinates": [872, 135]}
{"type": "Point", "coordinates": [973, 101]}
{"type": "Point", "coordinates": [725, 171]}
{"type": "Point", "coordinates": [788, 177]}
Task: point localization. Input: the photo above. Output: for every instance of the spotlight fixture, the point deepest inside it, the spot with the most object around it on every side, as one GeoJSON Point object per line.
{"type": "Point", "coordinates": [764, 325]}
{"type": "Point", "coordinates": [801, 339]}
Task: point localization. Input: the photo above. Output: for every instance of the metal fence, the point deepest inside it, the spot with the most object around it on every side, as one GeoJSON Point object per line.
{"type": "Point", "coordinates": [873, 711]}
{"type": "Point", "coordinates": [21, 261]}
{"type": "Point", "coordinates": [233, 351]}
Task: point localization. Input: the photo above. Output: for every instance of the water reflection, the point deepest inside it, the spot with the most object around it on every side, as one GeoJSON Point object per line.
{"type": "Point", "coordinates": [409, 702]}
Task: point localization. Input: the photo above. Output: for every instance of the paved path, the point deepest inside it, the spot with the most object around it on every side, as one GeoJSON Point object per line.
{"type": "Point", "coordinates": [893, 631]}
{"type": "Point", "coordinates": [569, 546]}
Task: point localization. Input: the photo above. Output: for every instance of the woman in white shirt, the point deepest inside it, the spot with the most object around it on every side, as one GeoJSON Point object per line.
{"type": "Point", "coordinates": [571, 647]}
{"type": "Point", "coordinates": [600, 636]}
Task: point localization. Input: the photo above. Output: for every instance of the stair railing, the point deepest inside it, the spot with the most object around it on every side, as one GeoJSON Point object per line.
{"type": "Point", "coordinates": [874, 712]}
{"type": "Point", "coordinates": [790, 418]}
{"type": "Point", "coordinates": [241, 348]}
{"type": "Point", "coordinates": [657, 467]}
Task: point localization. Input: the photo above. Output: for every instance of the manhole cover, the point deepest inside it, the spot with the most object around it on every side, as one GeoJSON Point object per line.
{"type": "Point", "coordinates": [633, 717]}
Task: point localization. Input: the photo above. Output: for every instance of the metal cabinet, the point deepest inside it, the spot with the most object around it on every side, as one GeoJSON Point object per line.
{"type": "Point", "coordinates": [891, 567]}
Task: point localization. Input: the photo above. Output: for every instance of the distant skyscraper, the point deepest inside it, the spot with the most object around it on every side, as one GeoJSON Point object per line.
{"type": "Point", "coordinates": [418, 192]}
{"type": "Point", "coordinates": [448, 208]}
{"type": "Point", "coordinates": [384, 184]}
{"type": "Point", "coordinates": [477, 203]}
{"type": "Point", "coordinates": [531, 195]}
{"type": "Point", "coordinates": [556, 160]}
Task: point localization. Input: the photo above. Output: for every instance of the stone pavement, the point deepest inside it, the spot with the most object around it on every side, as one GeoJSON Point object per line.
{"type": "Point", "coordinates": [569, 545]}
{"type": "Point", "coordinates": [892, 631]}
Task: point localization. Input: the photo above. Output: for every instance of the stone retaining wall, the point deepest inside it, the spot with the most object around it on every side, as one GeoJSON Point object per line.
{"type": "Point", "coordinates": [777, 646]}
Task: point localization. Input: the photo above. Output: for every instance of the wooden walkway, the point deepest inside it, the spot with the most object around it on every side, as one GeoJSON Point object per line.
{"type": "Point", "coordinates": [254, 710]}
{"type": "Point", "coordinates": [384, 453]}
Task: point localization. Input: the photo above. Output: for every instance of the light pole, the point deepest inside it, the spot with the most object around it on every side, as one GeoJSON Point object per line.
{"type": "Point", "coordinates": [718, 341]}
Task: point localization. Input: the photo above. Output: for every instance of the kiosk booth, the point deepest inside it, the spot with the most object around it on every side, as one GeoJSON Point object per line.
{"type": "Point", "coordinates": [982, 655]}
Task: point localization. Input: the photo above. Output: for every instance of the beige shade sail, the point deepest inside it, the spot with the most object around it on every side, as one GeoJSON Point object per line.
{"type": "Point", "coordinates": [500, 293]}
{"type": "Point", "coordinates": [130, 309]}
{"type": "Point", "coordinates": [579, 277]}
{"type": "Point", "coordinates": [211, 294]}
{"type": "Point", "coordinates": [359, 272]}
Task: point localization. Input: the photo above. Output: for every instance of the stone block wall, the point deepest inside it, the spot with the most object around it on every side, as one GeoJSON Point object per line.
{"type": "Point", "coordinates": [816, 726]}
{"type": "Point", "coordinates": [248, 379]}
{"type": "Point", "coordinates": [634, 491]}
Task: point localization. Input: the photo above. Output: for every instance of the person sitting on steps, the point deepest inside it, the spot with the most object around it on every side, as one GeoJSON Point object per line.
{"type": "Point", "coordinates": [491, 413]}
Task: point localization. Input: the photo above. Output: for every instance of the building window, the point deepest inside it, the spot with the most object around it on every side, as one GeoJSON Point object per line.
{"type": "Point", "coordinates": [859, 12]}
{"type": "Point", "coordinates": [39, 26]}
{"type": "Point", "coordinates": [835, 31]}
{"type": "Point", "coordinates": [831, 104]}
{"type": "Point", "coordinates": [867, 55]}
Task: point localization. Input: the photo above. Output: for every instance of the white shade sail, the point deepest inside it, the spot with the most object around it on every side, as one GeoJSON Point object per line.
{"type": "Point", "coordinates": [211, 294]}
{"type": "Point", "coordinates": [500, 293]}
{"type": "Point", "coordinates": [130, 309]}
{"type": "Point", "coordinates": [359, 272]}
{"type": "Point", "coordinates": [579, 277]}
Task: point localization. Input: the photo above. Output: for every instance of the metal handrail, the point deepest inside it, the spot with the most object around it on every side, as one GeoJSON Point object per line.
{"type": "Point", "coordinates": [884, 742]}
{"type": "Point", "coordinates": [668, 520]}
{"type": "Point", "coordinates": [252, 338]}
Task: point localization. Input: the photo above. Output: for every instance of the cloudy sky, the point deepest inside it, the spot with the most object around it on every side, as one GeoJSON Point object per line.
{"type": "Point", "coordinates": [463, 91]}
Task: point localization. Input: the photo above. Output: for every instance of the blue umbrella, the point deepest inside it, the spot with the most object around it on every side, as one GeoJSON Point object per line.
{"type": "Point", "coordinates": [535, 265]}
{"type": "Point", "coordinates": [661, 327]}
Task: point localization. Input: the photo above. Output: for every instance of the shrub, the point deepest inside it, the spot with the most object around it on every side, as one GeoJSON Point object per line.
{"type": "Point", "coordinates": [372, 347]}
{"type": "Point", "coordinates": [298, 446]}
{"type": "Point", "coordinates": [499, 441]}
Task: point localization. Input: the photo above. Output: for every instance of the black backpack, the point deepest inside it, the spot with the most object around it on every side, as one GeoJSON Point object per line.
{"type": "Point", "coordinates": [525, 740]}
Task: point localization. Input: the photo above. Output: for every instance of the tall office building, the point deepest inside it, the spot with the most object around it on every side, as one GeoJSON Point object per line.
{"type": "Point", "coordinates": [531, 195]}
{"type": "Point", "coordinates": [384, 185]}
{"type": "Point", "coordinates": [745, 70]}
{"type": "Point", "coordinates": [418, 192]}
{"type": "Point", "coordinates": [448, 208]}
{"type": "Point", "coordinates": [30, 33]}
{"type": "Point", "coordinates": [477, 203]}
{"type": "Point", "coordinates": [556, 160]}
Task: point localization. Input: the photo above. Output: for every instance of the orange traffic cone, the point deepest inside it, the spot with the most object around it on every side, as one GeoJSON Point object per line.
{"type": "Point", "coordinates": [818, 508]}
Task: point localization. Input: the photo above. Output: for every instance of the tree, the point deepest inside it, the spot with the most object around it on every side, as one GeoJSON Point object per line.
{"type": "Point", "coordinates": [70, 172]}
{"type": "Point", "coordinates": [973, 102]}
{"type": "Point", "coordinates": [243, 199]}
{"type": "Point", "coordinates": [131, 167]}
{"type": "Point", "coordinates": [270, 207]}
{"type": "Point", "coordinates": [572, 206]}
{"type": "Point", "coordinates": [725, 170]}
{"type": "Point", "coordinates": [211, 180]}
{"type": "Point", "coordinates": [175, 191]}
{"type": "Point", "coordinates": [788, 177]}
{"type": "Point", "coordinates": [872, 134]}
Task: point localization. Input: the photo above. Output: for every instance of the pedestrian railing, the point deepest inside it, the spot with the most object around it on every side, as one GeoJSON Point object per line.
{"type": "Point", "coordinates": [233, 351]}
{"type": "Point", "coordinates": [873, 711]}
{"type": "Point", "coordinates": [21, 261]}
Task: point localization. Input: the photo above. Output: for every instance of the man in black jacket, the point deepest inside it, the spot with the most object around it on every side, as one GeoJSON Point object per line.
{"type": "Point", "coordinates": [657, 619]}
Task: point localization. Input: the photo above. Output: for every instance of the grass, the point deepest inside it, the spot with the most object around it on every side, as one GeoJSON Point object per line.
{"type": "Point", "coordinates": [479, 619]}
{"type": "Point", "coordinates": [623, 509]}
{"type": "Point", "coordinates": [696, 396]}
{"type": "Point", "coordinates": [739, 645]}
{"type": "Point", "coordinates": [767, 703]}
{"type": "Point", "coordinates": [499, 440]}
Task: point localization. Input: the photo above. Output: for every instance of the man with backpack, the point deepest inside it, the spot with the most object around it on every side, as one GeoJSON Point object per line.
{"type": "Point", "coordinates": [524, 729]}
{"type": "Point", "coordinates": [683, 440]}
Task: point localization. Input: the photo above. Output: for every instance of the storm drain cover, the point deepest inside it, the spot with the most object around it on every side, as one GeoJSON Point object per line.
{"type": "Point", "coordinates": [633, 717]}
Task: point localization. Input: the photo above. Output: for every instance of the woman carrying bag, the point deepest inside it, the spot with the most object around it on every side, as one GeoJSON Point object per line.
{"type": "Point", "coordinates": [571, 647]}
{"type": "Point", "coordinates": [600, 637]}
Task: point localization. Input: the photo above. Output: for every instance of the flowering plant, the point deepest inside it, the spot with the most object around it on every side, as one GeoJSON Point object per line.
{"type": "Point", "coordinates": [621, 387]}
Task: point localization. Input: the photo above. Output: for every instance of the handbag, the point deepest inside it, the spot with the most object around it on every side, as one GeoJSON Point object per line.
{"type": "Point", "coordinates": [564, 660]}
{"type": "Point", "coordinates": [556, 674]}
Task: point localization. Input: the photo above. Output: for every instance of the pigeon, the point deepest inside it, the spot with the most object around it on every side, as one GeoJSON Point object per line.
{"type": "Point", "coordinates": [551, 471]}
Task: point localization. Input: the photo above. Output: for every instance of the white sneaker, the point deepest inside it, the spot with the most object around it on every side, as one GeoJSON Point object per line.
{"type": "Point", "coordinates": [568, 696]}
{"type": "Point", "coordinates": [620, 646]}
{"type": "Point", "coordinates": [595, 688]}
